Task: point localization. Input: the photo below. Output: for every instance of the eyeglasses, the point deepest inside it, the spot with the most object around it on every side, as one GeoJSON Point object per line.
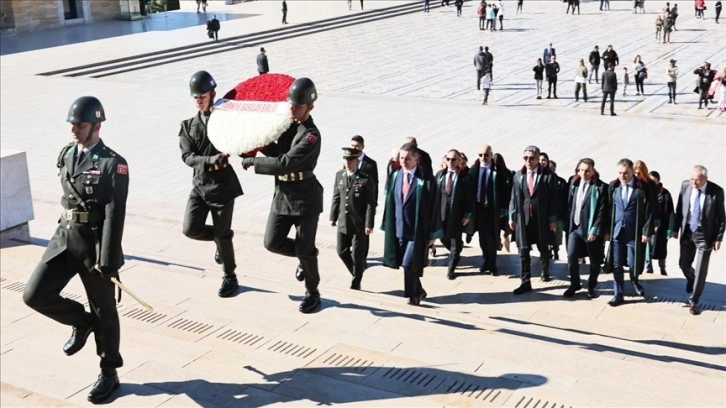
{"type": "Point", "coordinates": [529, 158]}
{"type": "Point", "coordinates": [451, 159]}
{"type": "Point", "coordinates": [484, 154]}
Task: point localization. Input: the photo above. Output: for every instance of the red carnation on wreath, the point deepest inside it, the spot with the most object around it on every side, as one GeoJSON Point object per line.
{"type": "Point", "coordinates": [251, 115]}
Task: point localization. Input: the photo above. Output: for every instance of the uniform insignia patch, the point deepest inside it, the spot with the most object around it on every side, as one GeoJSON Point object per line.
{"type": "Point", "coordinates": [312, 138]}
{"type": "Point", "coordinates": [122, 169]}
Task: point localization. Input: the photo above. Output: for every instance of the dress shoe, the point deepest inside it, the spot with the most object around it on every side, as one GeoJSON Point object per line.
{"type": "Point", "coordinates": [663, 272]}
{"type": "Point", "coordinates": [495, 272]}
{"type": "Point", "coordinates": [451, 275]}
{"type": "Point", "coordinates": [299, 273]}
{"type": "Point", "coordinates": [545, 278]}
{"type": "Point", "coordinates": [689, 285]}
{"type": "Point", "coordinates": [617, 300]}
{"type": "Point", "coordinates": [77, 340]}
{"type": "Point", "coordinates": [421, 296]}
{"type": "Point", "coordinates": [592, 293]}
{"type": "Point", "coordinates": [613, 114]}
{"type": "Point", "coordinates": [229, 286]}
{"type": "Point", "coordinates": [523, 288]}
{"type": "Point", "coordinates": [556, 97]}
{"type": "Point", "coordinates": [103, 388]}
{"type": "Point", "coordinates": [693, 308]}
{"type": "Point", "coordinates": [218, 257]}
{"type": "Point", "coordinates": [570, 292]}
{"type": "Point", "coordinates": [310, 303]}
{"type": "Point", "coordinates": [639, 289]}
{"type": "Point", "coordinates": [355, 284]}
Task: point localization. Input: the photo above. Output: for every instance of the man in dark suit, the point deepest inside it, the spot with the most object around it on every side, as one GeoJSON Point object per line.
{"type": "Point", "coordinates": [479, 65]}
{"type": "Point", "coordinates": [588, 205]}
{"type": "Point", "coordinates": [609, 88]}
{"type": "Point", "coordinates": [631, 224]}
{"type": "Point", "coordinates": [263, 66]}
{"type": "Point", "coordinates": [411, 221]}
{"type": "Point", "coordinates": [366, 164]}
{"type": "Point", "coordinates": [424, 159]}
{"type": "Point", "coordinates": [548, 53]}
{"type": "Point", "coordinates": [490, 204]}
{"type": "Point", "coordinates": [700, 218]}
{"type": "Point", "coordinates": [353, 211]}
{"type": "Point", "coordinates": [533, 214]}
{"type": "Point", "coordinates": [455, 207]}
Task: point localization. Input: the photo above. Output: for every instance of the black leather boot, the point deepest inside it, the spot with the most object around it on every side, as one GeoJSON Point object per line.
{"type": "Point", "coordinates": [106, 384]}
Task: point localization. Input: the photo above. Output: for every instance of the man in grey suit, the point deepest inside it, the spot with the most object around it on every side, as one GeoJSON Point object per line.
{"type": "Point", "coordinates": [609, 87]}
{"type": "Point", "coordinates": [479, 66]}
{"type": "Point", "coordinates": [262, 66]}
{"type": "Point", "coordinates": [700, 217]}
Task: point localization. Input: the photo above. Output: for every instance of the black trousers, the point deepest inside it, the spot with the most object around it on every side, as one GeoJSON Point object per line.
{"type": "Point", "coordinates": [479, 76]}
{"type": "Point", "coordinates": [584, 91]}
{"type": "Point", "coordinates": [693, 246]}
{"type": "Point", "coordinates": [454, 245]}
{"type": "Point", "coordinates": [353, 250]}
{"type": "Point", "coordinates": [551, 86]}
{"type": "Point", "coordinates": [487, 227]}
{"type": "Point", "coordinates": [639, 83]}
{"type": "Point", "coordinates": [594, 68]}
{"type": "Point", "coordinates": [544, 253]}
{"type": "Point", "coordinates": [42, 294]}
{"type": "Point", "coordinates": [302, 247]}
{"type": "Point", "coordinates": [672, 91]}
{"type": "Point", "coordinates": [284, 17]}
{"type": "Point", "coordinates": [195, 227]}
{"type": "Point", "coordinates": [577, 244]}
{"type": "Point", "coordinates": [612, 101]}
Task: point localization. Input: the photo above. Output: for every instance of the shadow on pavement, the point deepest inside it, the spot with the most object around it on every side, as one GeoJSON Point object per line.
{"type": "Point", "coordinates": [301, 385]}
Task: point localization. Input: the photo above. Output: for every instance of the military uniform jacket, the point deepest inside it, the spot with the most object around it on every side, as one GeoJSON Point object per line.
{"type": "Point", "coordinates": [354, 206]}
{"type": "Point", "coordinates": [216, 186]}
{"type": "Point", "coordinates": [295, 152]}
{"type": "Point", "coordinates": [99, 185]}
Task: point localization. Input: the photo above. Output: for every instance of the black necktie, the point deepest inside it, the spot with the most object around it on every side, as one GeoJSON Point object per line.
{"type": "Point", "coordinates": [79, 159]}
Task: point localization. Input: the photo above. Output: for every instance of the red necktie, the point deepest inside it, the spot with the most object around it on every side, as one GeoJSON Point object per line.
{"type": "Point", "coordinates": [449, 181]}
{"type": "Point", "coordinates": [530, 183]}
{"type": "Point", "coordinates": [406, 185]}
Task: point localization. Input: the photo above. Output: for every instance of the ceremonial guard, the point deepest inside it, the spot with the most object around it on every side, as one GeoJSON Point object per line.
{"type": "Point", "coordinates": [353, 211]}
{"type": "Point", "coordinates": [215, 183]}
{"type": "Point", "coordinates": [95, 182]}
{"type": "Point", "coordinates": [298, 198]}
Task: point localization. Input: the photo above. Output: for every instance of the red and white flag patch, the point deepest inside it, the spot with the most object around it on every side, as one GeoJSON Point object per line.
{"type": "Point", "coordinates": [122, 169]}
{"type": "Point", "coordinates": [312, 138]}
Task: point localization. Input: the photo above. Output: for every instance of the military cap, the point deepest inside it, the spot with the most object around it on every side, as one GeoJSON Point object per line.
{"type": "Point", "coordinates": [350, 153]}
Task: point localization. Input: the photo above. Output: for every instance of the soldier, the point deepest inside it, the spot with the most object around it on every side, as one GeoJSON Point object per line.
{"type": "Point", "coordinates": [298, 198]}
{"type": "Point", "coordinates": [215, 183]}
{"type": "Point", "coordinates": [87, 242]}
{"type": "Point", "coordinates": [353, 211]}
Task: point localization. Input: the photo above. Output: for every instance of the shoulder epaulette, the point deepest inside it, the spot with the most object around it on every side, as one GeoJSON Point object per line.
{"type": "Point", "coordinates": [63, 152]}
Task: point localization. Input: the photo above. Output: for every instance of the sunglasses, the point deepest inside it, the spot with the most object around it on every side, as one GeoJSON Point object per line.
{"type": "Point", "coordinates": [529, 158]}
{"type": "Point", "coordinates": [451, 159]}
{"type": "Point", "coordinates": [484, 154]}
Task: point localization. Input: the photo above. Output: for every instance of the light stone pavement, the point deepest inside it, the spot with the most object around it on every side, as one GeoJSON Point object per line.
{"type": "Point", "coordinates": [472, 343]}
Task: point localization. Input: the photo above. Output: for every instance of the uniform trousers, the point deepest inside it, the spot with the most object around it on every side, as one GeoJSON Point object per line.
{"type": "Point", "coordinates": [353, 250]}
{"type": "Point", "coordinates": [195, 227]}
{"type": "Point", "coordinates": [302, 247]}
{"type": "Point", "coordinates": [42, 294]}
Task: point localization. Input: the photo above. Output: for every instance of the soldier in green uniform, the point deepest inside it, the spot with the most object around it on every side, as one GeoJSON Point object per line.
{"type": "Point", "coordinates": [215, 183]}
{"type": "Point", "coordinates": [298, 198]}
{"type": "Point", "coordinates": [353, 211]}
{"type": "Point", "coordinates": [95, 182]}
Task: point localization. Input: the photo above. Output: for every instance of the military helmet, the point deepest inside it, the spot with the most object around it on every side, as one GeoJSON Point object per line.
{"type": "Point", "coordinates": [201, 83]}
{"type": "Point", "coordinates": [86, 109]}
{"type": "Point", "coordinates": [302, 92]}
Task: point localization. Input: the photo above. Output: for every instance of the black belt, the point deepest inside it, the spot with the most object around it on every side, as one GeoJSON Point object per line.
{"type": "Point", "coordinates": [81, 217]}
{"type": "Point", "coordinates": [296, 176]}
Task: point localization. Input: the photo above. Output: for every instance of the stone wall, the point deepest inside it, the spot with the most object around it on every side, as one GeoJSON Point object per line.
{"type": "Point", "coordinates": [105, 9]}
{"type": "Point", "coordinates": [31, 15]}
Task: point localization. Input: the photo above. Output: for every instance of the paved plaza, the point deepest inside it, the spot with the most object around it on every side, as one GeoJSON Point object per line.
{"type": "Point", "coordinates": [386, 72]}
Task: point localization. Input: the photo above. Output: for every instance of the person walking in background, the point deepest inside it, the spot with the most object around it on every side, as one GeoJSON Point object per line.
{"type": "Point", "coordinates": [486, 86]}
{"type": "Point", "coordinates": [459, 4]}
{"type": "Point", "coordinates": [594, 60]}
{"type": "Point", "coordinates": [658, 27]}
{"type": "Point", "coordinates": [548, 53]}
{"type": "Point", "coordinates": [700, 220]}
{"type": "Point", "coordinates": [705, 77]}
{"type": "Point", "coordinates": [700, 5]}
{"type": "Point", "coordinates": [722, 92]}
{"type": "Point", "coordinates": [659, 242]}
{"type": "Point", "coordinates": [519, 6]}
{"type": "Point", "coordinates": [491, 16]}
{"type": "Point", "coordinates": [610, 57]}
{"type": "Point", "coordinates": [262, 65]}
{"type": "Point", "coordinates": [284, 11]}
{"type": "Point", "coordinates": [213, 27]}
{"type": "Point", "coordinates": [641, 73]}
{"type": "Point", "coordinates": [552, 69]}
{"type": "Point", "coordinates": [674, 14]}
{"type": "Point", "coordinates": [609, 86]}
{"type": "Point", "coordinates": [717, 7]}
{"type": "Point", "coordinates": [667, 28]}
{"type": "Point", "coordinates": [481, 11]}
{"type": "Point", "coordinates": [539, 76]}
{"type": "Point", "coordinates": [479, 66]}
{"type": "Point", "coordinates": [603, 4]}
{"type": "Point", "coordinates": [672, 75]}
{"type": "Point", "coordinates": [580, 80]}
{"type": "Point", "coordinates": [500, 13]}
{"type": "Point", "coordinates": [626, 80]}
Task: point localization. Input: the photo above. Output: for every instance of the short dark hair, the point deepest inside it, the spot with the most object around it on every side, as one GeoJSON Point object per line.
{"type": "Point", "coordinates": [590, 162]}
{"type": "Point", "coordinates": [262, 49]}
{"type": "Point", "coordinates": [545, 155]}
{"type": "Point", "coordinates": [358, 138]}
{"type": "Point", "coordinates": [486, 48]}
{"type": "Point", "coordinates": [655, 174]}
{"type": "Point", "coordinates": [481, 48]}
{"type": "Point", "coordinates": [626, 162]}
{"type": "Point", "coordinates": [410, 147]}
